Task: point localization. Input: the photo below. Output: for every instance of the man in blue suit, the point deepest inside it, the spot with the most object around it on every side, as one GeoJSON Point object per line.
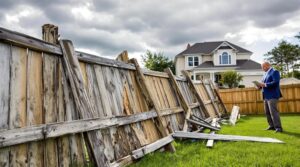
{"type": "Point", "coordinates": [271, 94]}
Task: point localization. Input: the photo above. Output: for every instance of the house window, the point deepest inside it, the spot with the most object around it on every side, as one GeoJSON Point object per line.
{"type": "Point", "coordinates": [193, 61]}
{"type": "Point", "coordinates": [225, 58]}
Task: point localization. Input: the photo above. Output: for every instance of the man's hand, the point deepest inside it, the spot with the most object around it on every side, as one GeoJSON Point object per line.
{"type": "Point", "coordinates": [261, 85]}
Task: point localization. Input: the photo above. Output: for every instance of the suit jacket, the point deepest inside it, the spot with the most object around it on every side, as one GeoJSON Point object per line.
{"type": "Point", "coordinates": [272, 89]}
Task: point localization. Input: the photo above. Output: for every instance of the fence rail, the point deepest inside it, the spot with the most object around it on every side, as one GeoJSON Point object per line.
{"type": "Point", "coordinates": [250, 99]}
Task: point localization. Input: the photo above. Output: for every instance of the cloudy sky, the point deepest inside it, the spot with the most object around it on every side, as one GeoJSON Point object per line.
{"type": "Point", "coordinates": [107, 27]}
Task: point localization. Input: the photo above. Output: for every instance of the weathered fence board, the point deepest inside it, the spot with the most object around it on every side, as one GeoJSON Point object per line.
{"type": "Point", "coordinates": [35, 105]}
{"type": "Point", "coordinates": [5, 58]}
{"type": "Point", "coordinates": [17, 117]}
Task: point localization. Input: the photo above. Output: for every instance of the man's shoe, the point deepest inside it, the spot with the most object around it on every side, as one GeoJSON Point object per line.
{"type": "Point", "coordinates": [270, 128]}
{"type": "Point", "coordinates": [278, 130]}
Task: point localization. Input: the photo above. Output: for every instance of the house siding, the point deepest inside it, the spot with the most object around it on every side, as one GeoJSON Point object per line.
{"type": "Point", "coordinates": [180, 65]}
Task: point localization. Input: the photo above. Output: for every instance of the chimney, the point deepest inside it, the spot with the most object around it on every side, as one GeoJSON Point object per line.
{"type": "Point", "coordinates": [50, 33]}
{"type": "Point", "coordinates": [188, 45]}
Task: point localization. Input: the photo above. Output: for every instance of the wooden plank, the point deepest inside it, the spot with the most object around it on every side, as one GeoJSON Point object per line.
{"type": "Point", "coordinates": [35, 104]}
{"type": "Point", "coordinates": [5, 59]}
{"type": "Point", "coordinates": [50, 77]}
{"type": "Point", "coordinates": [203, 124]}
{"type": "Point", "coordinates": [75, 140]}
{"type": "Point", "coordinates": [216, 109]}
{"type": "Point", "coordinates": [155, 73]}
{"type": "Point", "coordinates": [81, 100]}
{"type": "Point", "coordinates": [63, 144]}
{"type": "Point", "coordinates": [218, 95]}
{"type": "Point", "coordinates": [136, 154]}
{"type": "Point", "coordinates": [93, 59]}
{"type": "Point", "coordinates": [179, 94]}
{"type": "Point", "coordinates": [26, 41]}
{"type": "Point", "coordinates": [17, 117]}
{"type": "Point", "coordinates": [123, 57]}
{"type": "Point", "coordinates": [122, 162]}
{"type": "Point", "coordinates": [193, 135]}
{"type": "Point", "coordinates": [53, 130]}
{"type": "Point", "coordinates": [193, 88]}
{"type": "Point", "coordinates": [234, 115]}
{"type": "Point", "coordinates": [210, 142]}
{"type": "Point", "coordinates": [162, 127]}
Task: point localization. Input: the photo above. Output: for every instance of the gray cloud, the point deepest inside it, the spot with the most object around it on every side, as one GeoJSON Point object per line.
{"type": "Point", "coordinates": [133, 24]}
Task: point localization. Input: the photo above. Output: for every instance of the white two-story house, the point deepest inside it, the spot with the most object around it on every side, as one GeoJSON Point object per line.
{"type": "Point", "coordinates": [207, 60]}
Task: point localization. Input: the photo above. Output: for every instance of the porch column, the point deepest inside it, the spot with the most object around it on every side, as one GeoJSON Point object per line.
{"type": "Point", "coordinates": [212, 76]}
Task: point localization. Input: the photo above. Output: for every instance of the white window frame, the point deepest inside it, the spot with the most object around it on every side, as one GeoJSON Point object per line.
{"type": "Point", "coordinates": [221, 59]}
{"type": "Point", "coordinates": [193, 61]}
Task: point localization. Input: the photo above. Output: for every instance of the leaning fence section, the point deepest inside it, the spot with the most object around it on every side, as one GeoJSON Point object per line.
{"type": "Point", "coordinates": [59, 107]}
{"type": "Point", "coordinates": [250, 99]}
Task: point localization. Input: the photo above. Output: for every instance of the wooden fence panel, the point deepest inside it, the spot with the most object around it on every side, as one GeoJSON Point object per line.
{"type": "Point", "coordinates": [36, 90]}
{"type": "Point", "coordinates": [250, 99]}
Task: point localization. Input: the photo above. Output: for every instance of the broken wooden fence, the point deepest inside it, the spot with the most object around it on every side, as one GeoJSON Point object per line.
{"type": "Point", "coordinates": [59, 107]}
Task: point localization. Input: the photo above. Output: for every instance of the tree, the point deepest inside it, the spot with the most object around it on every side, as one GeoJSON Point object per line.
{"type": "Point", "coordinates": [231, 79]}
{"type": "Point", "coordinates": [284, 56]}
{"type": "Point", "coordinates": [157, 61]}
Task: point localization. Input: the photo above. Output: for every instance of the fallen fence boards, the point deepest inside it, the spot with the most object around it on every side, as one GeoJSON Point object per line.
{"type": "Point", "coordinates": [234, 115]}
{"type": "Point", "coordinates": [203, 124]}
{"type": "Point", "coordinates": [210, 142]}
{"type": "Point", "coordinates": [136, 154]}
{"type": "Point", "coordinates": [194, 135]}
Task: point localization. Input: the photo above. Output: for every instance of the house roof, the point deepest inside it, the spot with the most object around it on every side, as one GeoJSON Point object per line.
{"type": "Point", "coordinates": [209, 47]}
{"type": "Point", "coordinates": [243, 64]}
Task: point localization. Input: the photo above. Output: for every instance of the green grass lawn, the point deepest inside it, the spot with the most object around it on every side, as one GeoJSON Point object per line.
{"type": "Point", "coordinates": [195, 153]}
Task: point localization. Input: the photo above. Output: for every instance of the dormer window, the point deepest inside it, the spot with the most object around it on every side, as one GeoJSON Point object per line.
{"type": "Point", "coordinates": [193, 61]}
{"type": "Point", "coordinates": [225, 58]}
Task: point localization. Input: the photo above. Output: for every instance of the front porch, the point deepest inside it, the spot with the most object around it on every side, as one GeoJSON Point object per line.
{"type": "Point", "coordinates": [213, 76]}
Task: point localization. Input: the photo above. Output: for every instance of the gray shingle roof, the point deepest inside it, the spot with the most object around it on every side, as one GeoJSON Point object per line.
{"type": "Point", "coordinates": [209, 47]}
{"type": "Point", "coordinates": [242, 64]}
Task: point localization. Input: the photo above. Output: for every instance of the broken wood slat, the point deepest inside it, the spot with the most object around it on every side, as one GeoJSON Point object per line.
{"type": "Point", "coordinates": [218, 96]}
{"type": "Point", "coordinates": [160, 123]}
{"type": "Point", "coordinates": [234, 115]}
{"type": "Point", "coordinates": [155, 73]}
{"type": "Point", "coordinates": [123, 57]}
{"type": "Point", "coordinates": [93, 59]}
{"type": "Point", "coordinates": [122, 162]}
{"type": "Point", "coordinates": [136, 154]}
{"type": "Point", "coordinates": [194, 105]}
{"type": "Point", "coordinates": [210, 142]}
{"type": "Point", "coordinates": [193, 88]}
{"type": "Point", "coordinates": [211, 99]}
{"type": "Point", "coordinates": [203, 120]}
{"type": "Point", "coordinates": [82, 101]}
{"type": "Point", "coordinates": [193, 135]}
{"type": "Point", "coordinates": [203, 124]}
{"type": "Point", "coordinates": [183, 102]}
{"type": "Point", "coordinates": [45, 131]}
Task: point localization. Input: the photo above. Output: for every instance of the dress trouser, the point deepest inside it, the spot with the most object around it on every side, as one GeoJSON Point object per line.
{"type": "Point", "coordinates": [272, 113]}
